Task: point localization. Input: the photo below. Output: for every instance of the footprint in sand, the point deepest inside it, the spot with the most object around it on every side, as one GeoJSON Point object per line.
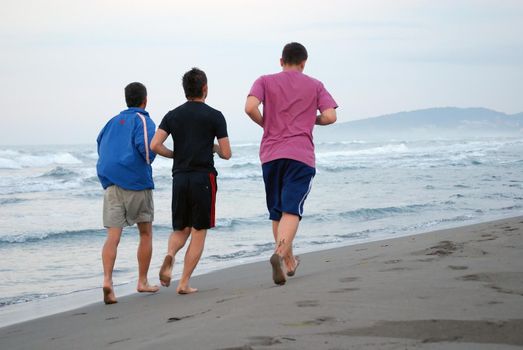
{"type": "Point", "coordinates": [316, 322]}
{"type": "Point", "coordinates": [258, 341]}
{"type": "Point", "coordinates": [397, 269]}
{"type": "Point", "coordinates": [395, 261]}
{"type": "Point", "coordinates": [118, 341]}
{"type": "Point", "coordinates": [444, 248]}
{"type": "Point", "coordinates": [263, 341]}
{"type": "Point", "coordinates": [226, 299]}
{"type": "Point", "coordinates": [427, 260]}
{"type": "Point", "coordinates": [438, 331]}
{"type": "Point", "coordinates": [487, 237]}
{"type": "Point", "coordinates": [307, 303]}
{"type": "Point", "coordinates": [370, 258]}
{"type": "Point", "coordinates": [348, 279]}
{"type": "Point", "coordinates": [469, 278]}
{"type": "Point", "coordinates": [320, 320]}
{"type": "Point", "coordinates": [501, 282]}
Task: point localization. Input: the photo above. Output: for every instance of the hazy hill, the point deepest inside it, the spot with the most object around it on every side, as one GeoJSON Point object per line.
{"type": "Point", "coordinates": [447, 122]}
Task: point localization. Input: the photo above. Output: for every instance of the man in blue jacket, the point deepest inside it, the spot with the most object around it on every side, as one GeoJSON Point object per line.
{"type": "Point", "coordinates": [124, 170]}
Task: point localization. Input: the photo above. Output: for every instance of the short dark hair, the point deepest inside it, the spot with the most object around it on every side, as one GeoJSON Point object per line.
{"type": "Point", "coordinates": [135, 94]}
{"type": "Point", "coordinates": [193, 82]}
{"type": "Point", "coordinates": [294, 53]}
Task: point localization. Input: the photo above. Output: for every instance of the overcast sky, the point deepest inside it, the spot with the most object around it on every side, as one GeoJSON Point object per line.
{"type": "Point", "coordinates": [64, 64]}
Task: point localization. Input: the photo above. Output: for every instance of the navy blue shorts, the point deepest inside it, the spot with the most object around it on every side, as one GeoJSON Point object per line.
{"type": "Point", "coordinates": [287, 184]}
{"type": "Point", "coordinates": [194, 200]}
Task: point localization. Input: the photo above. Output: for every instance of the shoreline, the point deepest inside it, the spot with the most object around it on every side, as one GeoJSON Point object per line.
{"type": "Point", "coordinates": [33, 310]}
{"type": "Point", "coordinates": [458, 288]}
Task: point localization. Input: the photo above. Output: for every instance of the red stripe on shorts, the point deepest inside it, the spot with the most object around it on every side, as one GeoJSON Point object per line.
{"type": "Point", "coordinates": [212, 179]}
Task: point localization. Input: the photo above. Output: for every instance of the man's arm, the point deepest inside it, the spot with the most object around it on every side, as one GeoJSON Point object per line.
{"type": "Point", "coordinates": [253, 111]}
{"type": "Point", "coordinates": [326, 117]}
{"type": "Point", "coordinates": [143, 132]}
{"type": "Point", "coordinates": [157, 145]}
{"type": "Point", "coordinates": [223, 148]}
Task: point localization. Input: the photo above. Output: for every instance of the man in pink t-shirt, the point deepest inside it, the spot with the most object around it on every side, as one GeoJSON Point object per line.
{"type": "Point", "coordinates": [290, 100]}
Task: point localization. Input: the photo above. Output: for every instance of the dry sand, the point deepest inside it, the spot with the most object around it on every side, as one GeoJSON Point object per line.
{"type": "Point", "coordinates": [453, 289]}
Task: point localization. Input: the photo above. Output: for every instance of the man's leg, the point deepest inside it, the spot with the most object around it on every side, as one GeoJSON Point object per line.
{"type": "Point", "coordinates": [192, 257]}
{"type": "Point", "coordinates": [289, 260]}
{"type": "Point", "coordinates": [144, 253]}
{"type": "Point", "coordinates": [286, 230]}
{"type": "Point", "coordinates": [108, 258]}
{"type": "Point", "coordinates": [176, 242]}
{"type": "Point", "coordinates": [287, 185]}
{"type": "Point", "coordinates": [275, 229]}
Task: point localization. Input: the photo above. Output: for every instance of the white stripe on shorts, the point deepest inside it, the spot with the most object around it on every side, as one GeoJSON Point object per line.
{"type": "Point", "coordinates": [300, 206]}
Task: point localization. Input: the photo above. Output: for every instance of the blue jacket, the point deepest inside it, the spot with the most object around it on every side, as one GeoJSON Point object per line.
{"type": "Point", "coordinates": [124, 155]}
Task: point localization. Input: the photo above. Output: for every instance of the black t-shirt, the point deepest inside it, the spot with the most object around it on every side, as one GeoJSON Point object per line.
{"type": "Point", "coordinates": [193, 127]}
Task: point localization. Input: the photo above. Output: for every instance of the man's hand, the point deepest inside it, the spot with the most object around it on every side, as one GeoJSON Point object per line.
{"type": "Point", "coordinates": [327, 117]}
{"type": "Point", "coordinates": [223, 148]}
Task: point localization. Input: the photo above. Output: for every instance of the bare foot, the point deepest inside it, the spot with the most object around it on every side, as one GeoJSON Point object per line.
{"type": "Point", "coordinates": [277, 273]}
{"type": "Point", "coordinates": [186, 290]}
{"type": "Point", "coordinates": [146, 288]}
{"type": "Point", "coordinates": [166, 271]}
{"type": "Point", "coordinates": [292, 272]}
{"type": "Point", "coordinates": [109, 297]}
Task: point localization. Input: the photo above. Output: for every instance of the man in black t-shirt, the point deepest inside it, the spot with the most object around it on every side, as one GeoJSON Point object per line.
{"type": "Point", "coordinates": [193, 127]}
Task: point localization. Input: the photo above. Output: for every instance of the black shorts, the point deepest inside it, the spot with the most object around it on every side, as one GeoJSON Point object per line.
{"type": "Point", "coordinates": [194, 199]}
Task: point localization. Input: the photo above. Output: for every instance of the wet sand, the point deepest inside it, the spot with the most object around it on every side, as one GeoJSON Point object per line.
{"type": "Point", "coordinates": [460, 288]}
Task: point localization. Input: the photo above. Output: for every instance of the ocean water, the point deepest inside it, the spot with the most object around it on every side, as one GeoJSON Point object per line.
{"type": "Point", "coordinates": [51, 232]}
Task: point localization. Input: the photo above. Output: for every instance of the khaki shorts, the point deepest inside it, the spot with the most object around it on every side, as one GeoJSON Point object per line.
{"type": "Point", "coordinates": [125, 208]}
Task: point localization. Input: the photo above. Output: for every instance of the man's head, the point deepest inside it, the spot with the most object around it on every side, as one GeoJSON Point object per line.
{"type": "Point", "coordinates": [136, 95]}
{"type": "Point", "coordinates": [195, 84]}
{"type": "Point", "coordinates": [294, 54]}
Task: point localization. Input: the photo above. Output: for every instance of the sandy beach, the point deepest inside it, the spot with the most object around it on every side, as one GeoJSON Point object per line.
{"type": "Point", "coordinates": [459, 288]}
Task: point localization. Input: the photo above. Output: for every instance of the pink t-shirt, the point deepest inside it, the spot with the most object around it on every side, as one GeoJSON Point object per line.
{"type": "Point", "coordinates": [290, 100]}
